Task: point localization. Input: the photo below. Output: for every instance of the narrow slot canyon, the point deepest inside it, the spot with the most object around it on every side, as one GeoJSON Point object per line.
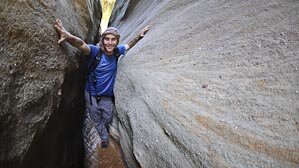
{"type": "Point", "coordinates": [211, 84]}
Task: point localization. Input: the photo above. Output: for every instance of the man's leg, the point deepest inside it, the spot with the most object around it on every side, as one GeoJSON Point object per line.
{"type": "Point", "coordinates": [94, 110]}
{"type": "Point", "coordinates": [100, 112]}
{"type": "Point", "coordinates": [106, 106]}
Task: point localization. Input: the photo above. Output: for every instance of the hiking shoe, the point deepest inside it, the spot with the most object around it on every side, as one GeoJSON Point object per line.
{"type": "Point", "coordinates": [104, 144]}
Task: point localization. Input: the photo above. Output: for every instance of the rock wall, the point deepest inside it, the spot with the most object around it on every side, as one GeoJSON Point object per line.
{"type": "Point", "coordinates": [212, 84]}
{"type": "Point", "coordinates": [40, 101]}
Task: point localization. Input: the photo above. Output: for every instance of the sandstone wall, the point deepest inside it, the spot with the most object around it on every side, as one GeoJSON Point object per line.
{"type": "Point", "coordinates": [213, 84]}
{"type": "Point", "coordinates": [41, 108]}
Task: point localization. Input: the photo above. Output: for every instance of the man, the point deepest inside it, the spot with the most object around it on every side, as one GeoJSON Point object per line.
{"type": "Point", "coordinates": [100, 82]}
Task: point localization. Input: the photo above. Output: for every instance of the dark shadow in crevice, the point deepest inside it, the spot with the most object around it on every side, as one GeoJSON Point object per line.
{"type": "Point", "coordinates": [60, 145]}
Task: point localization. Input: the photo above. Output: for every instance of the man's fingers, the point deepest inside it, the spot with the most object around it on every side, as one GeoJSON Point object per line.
{"type": "Point", "coordinates": [145, 29]}
{"type": "Point", "coordinates": [61, 40]}
{"type": "Point", "coordinates": [59, 23]}
{"type": "Point", "coordinates": [58, 28]}
{"type": "Point", "coordinates": [56, 22]}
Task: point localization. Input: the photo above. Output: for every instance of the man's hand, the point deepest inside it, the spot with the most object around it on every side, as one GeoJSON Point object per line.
{"type": "Point", "coordinates": [63, 33]}
{"type": "Point", "coordinates": [73, 40]}
{"type": "Point", "coordinates": [144, 30]}
{"type": "Point", "coordinates": [132, 42]}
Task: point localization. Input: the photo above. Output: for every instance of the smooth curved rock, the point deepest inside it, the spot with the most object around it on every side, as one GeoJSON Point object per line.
{"type": "Point", "coordinates": [212, 84]}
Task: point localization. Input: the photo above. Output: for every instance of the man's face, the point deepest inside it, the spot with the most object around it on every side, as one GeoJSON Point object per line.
{"type": "Point", "coordinates": [110, 41]}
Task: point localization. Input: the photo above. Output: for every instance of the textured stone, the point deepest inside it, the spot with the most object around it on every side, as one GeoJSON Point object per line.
{"type": "Point", "coordinates": [246, 52]}
{"type": "Point", "coordinates": [92, 142]}
{"type": "Point", "coordinates": [41, 91]}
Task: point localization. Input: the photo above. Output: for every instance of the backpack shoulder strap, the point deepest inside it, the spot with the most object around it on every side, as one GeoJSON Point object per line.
{"type": "Point", "coordinates": [116, 52]}
{"type": "Point", "coordinates": [96, 61]}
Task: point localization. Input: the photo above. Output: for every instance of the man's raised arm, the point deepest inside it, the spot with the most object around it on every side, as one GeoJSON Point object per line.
{"type": "Point", "coordinates": [73, 40]}
{"type": "Point", "coordinates": [132, 42]}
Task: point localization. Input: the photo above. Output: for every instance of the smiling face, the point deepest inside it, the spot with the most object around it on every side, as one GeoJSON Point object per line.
{"type": "Point", "coordinates": [110, 42]}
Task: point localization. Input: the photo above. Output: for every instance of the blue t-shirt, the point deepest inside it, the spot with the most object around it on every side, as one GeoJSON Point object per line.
{"type": "Point", "coordinates": [105, 72]}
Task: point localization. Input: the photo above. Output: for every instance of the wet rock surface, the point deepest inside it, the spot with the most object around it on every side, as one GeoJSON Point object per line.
{"type": "Point", "coordinates": [111, 157]}
{"type": "Point", "coordinates": [212, 84]}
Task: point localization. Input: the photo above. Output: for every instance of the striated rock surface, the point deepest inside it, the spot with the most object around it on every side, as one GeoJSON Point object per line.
{"type": "Point", "coordinates": [40, 101]}
{"type": "Point", "coordinates": [212, 84]}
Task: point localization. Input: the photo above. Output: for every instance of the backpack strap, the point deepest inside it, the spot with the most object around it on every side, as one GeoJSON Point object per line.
{"type": "Point", "coordinates": [96, 61]}
{"type": "Point", "coordinates": [116, 53]}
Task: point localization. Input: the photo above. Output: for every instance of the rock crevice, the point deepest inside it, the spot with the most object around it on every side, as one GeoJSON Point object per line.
{"type": "Point", "coordinates": [212, 84]}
